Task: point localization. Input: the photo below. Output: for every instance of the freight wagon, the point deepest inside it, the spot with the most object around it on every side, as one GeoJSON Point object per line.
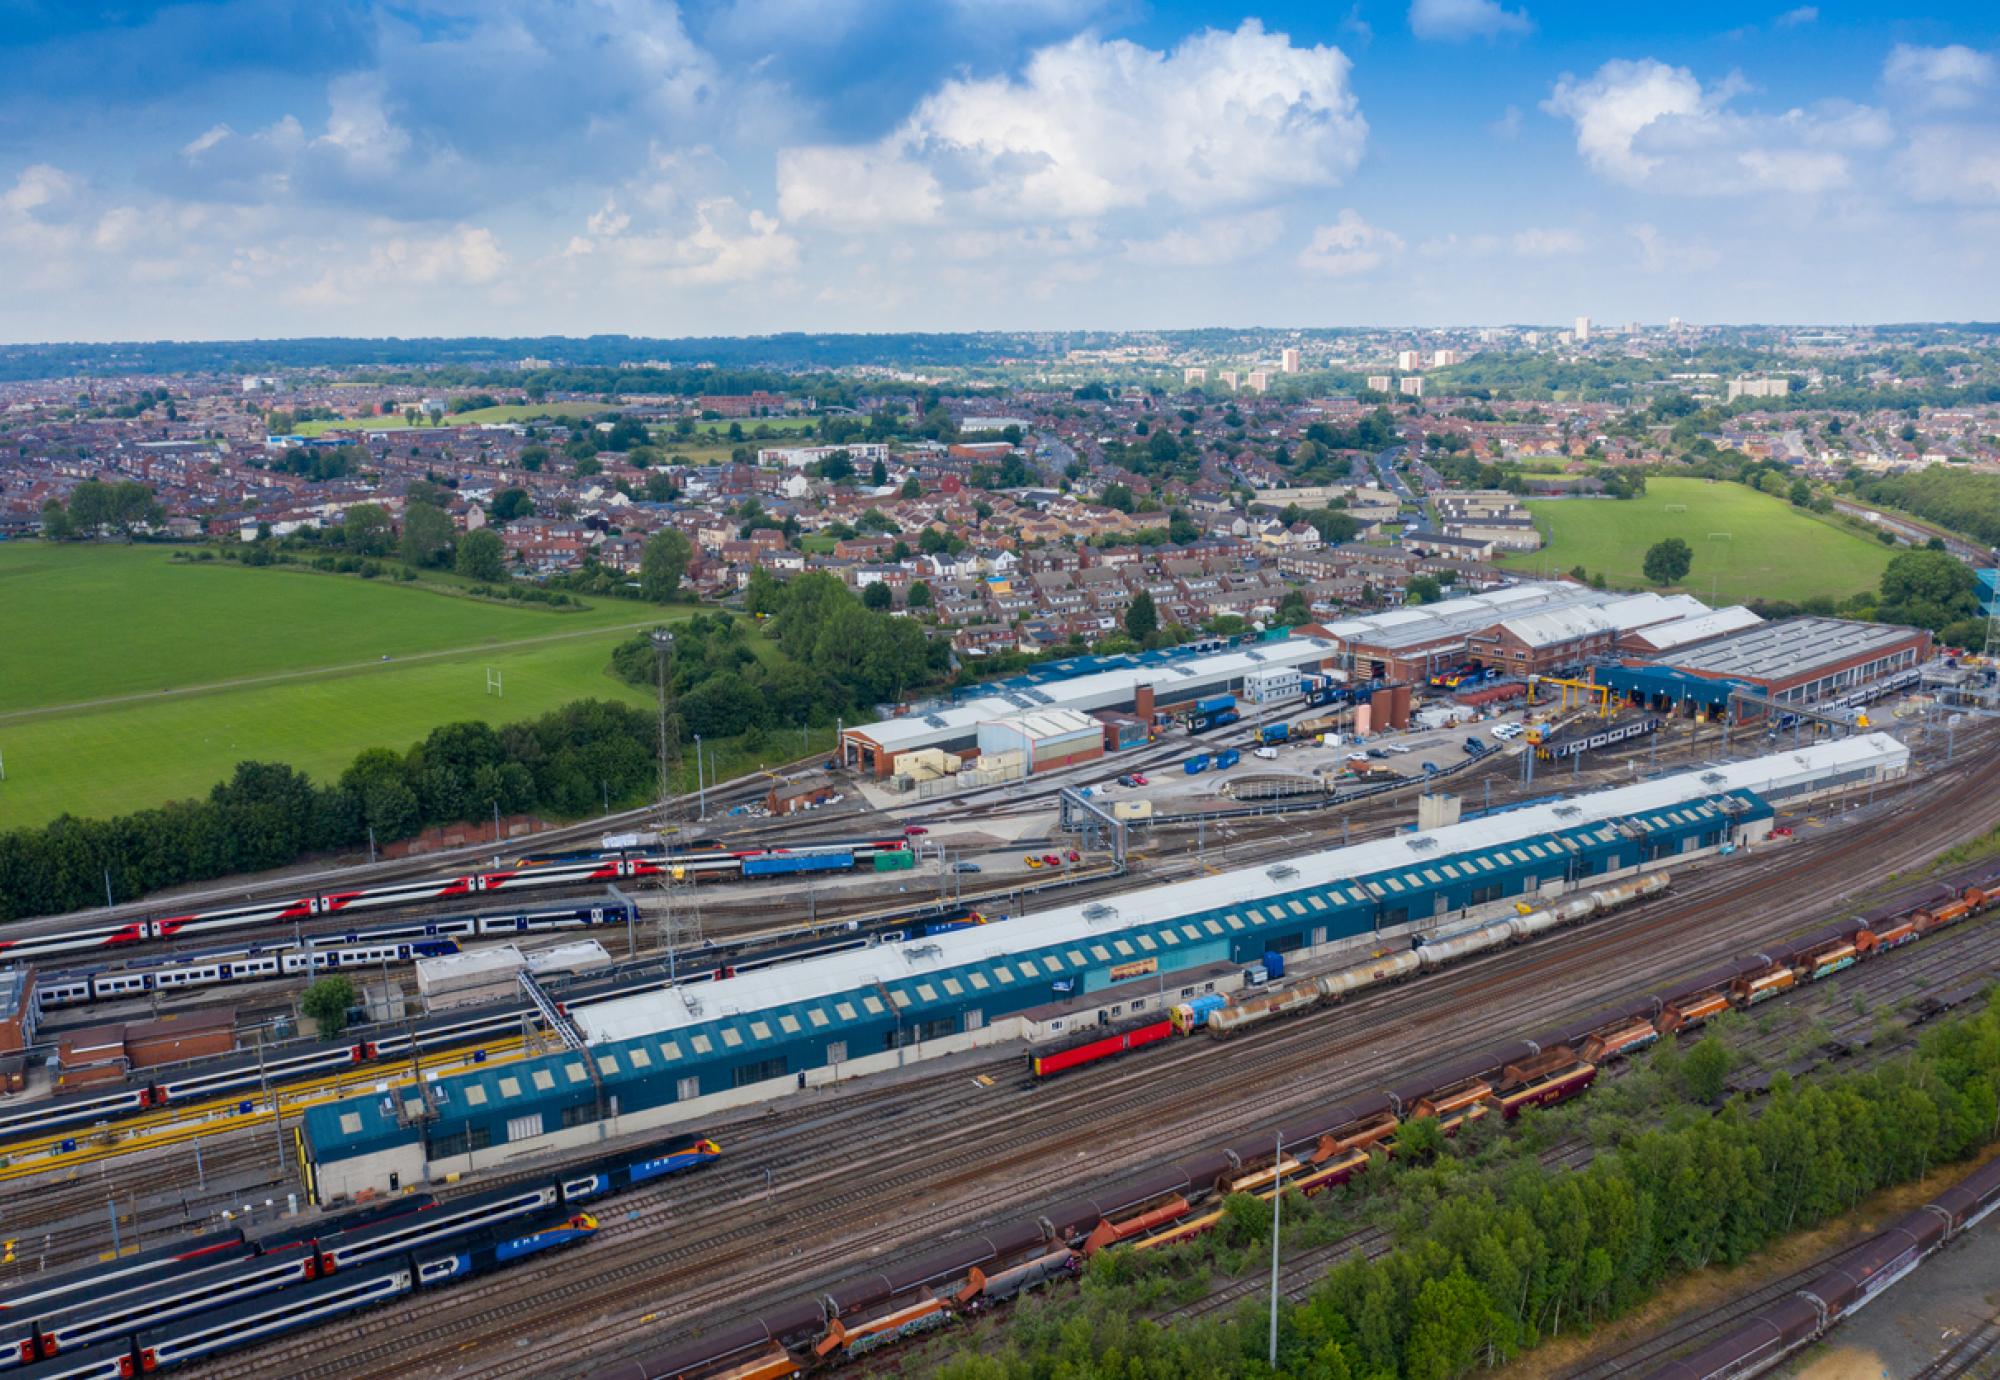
{"type": "Point", "coordinates": [1091, 1051]}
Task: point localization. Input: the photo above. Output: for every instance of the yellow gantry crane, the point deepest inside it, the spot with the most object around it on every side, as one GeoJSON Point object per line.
{"type": "Point", "coordinates": [1575, 694]}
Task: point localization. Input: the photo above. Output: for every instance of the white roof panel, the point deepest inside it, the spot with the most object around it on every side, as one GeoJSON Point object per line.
{"type": "Point", "coordinates": [1107, 921]}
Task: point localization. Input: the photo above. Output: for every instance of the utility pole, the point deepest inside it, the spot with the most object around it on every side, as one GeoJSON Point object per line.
{"type": "Point", "coordinates": [700, 782]}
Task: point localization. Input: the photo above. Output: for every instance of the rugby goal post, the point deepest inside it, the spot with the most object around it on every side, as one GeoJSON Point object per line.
{"type": "Point", "coordinates": [493, 683]}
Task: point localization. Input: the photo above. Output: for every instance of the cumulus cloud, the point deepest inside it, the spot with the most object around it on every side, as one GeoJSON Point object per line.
{"type": "Point", "coordinates": [1797, 18]}
{"type": "Point", "coordinates": [1093, 126]}
{"type": "Point", "coordinates": [1454, 21]}
{"type": "Point", "coordinates": [1953, 77]}
{"type": "Point", "coordinates": [1217, 240]}
{"type": "Point", "coordinates": [1953, 163]}
{"type": "Point", "coordinates": [855, 188]}
{"type": "Point", "coordinates": [1350, 246]}
{"type": "Point", "coordinates": [1646, 124]}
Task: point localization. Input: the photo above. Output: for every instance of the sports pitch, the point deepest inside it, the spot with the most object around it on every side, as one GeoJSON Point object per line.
{"type": "Point", "coordinates": [133, 679]}
{"type": "Point", "coordinates": [1746, 545]}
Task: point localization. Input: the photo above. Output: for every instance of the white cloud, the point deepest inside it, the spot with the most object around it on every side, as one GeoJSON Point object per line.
{"type": "Point", "coordinates": [1217, 240]}
{"type": "Point", "coordinates": [1796, 18]}
{"type": "Point", "coordinates": [37, 186]}
{"type": "Point", "coordinates": [1650, 125]}
{"type": "Point", "coordinates": [1508, 126]}
{"type": "Point", "coordinates": [1453, 21]}
{"type": "Point", "coordinates": [207, 140]}
{"type": "Point", "coordinates": [855, 188]}
{"type": "Point", "coordinates": [1953, 163]}
{"type": "Point", "coordinates": [1349, 246]}
{"type": "Point", "coordinates": [358, 127]}
{"type": "Point", "coordinates": [1093, 126]}
{"type": "Point", "coordinates": [1949, 78]}
{"type": "Point", "coordinates": [1537, 243]}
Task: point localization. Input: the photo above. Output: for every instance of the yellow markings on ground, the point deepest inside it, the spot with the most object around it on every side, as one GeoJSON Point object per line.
{"type": "Point", "coordinates": [984, 1080]}
{"type": "Point", "coordinates": [215, 1116]}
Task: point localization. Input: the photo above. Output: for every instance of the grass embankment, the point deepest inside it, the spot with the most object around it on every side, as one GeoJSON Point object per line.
{"type": "Point", "coordinates": [1771, 549]}
{"type": "Point", "coordinates": [133, 679]}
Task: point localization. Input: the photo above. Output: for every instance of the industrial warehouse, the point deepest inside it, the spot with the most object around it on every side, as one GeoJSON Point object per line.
{"type": "Point", "coordinates": [692, 1051]}
{"type": "Point", "coordinates": [1030, 711]}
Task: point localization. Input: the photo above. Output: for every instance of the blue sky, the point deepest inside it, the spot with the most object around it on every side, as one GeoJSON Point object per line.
{"type": "Point", "coordinates": [438, 167]}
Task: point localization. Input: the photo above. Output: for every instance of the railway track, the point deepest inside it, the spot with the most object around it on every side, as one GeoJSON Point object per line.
{"type": "Point", "coordinates": [811, 1235]}
{"type": "Point", "coordinates": [1951, 959]}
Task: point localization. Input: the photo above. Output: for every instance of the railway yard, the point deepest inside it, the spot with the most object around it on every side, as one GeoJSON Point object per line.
{"type": "Point", "coordinates": [842, 1208]}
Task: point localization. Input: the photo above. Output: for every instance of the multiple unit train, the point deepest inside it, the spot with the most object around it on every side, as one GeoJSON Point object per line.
{"type": "Point", "coordinates": [236, 1074]}
{"type": "Point", "coordinates": [1328, 1146]}
{"type": "Point", "coordinates": [1849, 1284]}
{"type": "Point", "coordinates": [176, 1306]}
{"type": "Point", "coordinates": [697, 865]}
{"type": "Point", "coordinates": [393, 942]}
{"type": "Point", "coordinates": [1601, 738]}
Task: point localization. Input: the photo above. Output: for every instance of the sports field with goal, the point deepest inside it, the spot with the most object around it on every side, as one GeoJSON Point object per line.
{"type": "Point", "coordinates": [1747, 545]}
{"type": "Point", "coordinates": [132, 678]}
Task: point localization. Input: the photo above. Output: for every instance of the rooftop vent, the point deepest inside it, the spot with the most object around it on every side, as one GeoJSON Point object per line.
{"type": "Point", "coordinates": [1568, 811]}
{"type": "Point", "coordinates": [1422, 843]}
{"type": "Point", "coordinates": [1097, 910]}
{"type": "Point", "coordinates": [1281, 872]}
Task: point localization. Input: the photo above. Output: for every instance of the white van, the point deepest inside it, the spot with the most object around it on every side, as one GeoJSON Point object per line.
{"type": "Point", "coordinates": [1268, 754]}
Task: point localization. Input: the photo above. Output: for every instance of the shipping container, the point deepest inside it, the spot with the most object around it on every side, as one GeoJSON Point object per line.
{"type": "Point", "coordinates": [1202, 723]}
{"type": "Point", "coordinates": [779, 864]}
{"type": "Point", "coordinates": [1227, 758]}
{"type": "Point", "coordinates": [898, 861]}
{"type": "Point", "coordinates": [1132, 809]}
{"type": "Point", "coordinates": [1274, 963]}
{"type": "Point", "coordinates": [1195, 766]}
{"type": "Point", "coordinates": [1274, 733]}
{"type": "Point", "coordinates": [1212, 703]}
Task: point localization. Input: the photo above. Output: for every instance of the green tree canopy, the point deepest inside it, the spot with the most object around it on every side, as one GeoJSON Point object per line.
{"type": "Point", "coordinates": [1142, 619]}
{"type": "Point", "coordinates": [1928, 589]}
{"type": "Point", "coordinates": [1668, 562]}
{"type": "Point", "coordinates": [327, 1002]}
{"type": "Point", "coordinates": [662, 563]}
{"type": "Point", "coordinates": [482, 556]}
{"type": "Point", "coordinates": [427, 535]}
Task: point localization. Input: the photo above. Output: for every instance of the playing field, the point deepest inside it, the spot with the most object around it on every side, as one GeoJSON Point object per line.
{"type": "Point", "coordinates": [132, 679]}
{"type": "Point", "coordinates": [1747, 545]}
{"type": "Point", "coordinates": [505, 412]}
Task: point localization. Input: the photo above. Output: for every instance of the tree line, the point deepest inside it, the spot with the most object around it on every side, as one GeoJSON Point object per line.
{"type": "Point", "coordinates": [835, 655]}
{"type": "Point", "coordinates": [1489, 1265]}
{"type": "Point", "coordinates": [567, 762]}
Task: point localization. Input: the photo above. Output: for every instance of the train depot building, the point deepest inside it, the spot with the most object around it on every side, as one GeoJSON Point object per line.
{"type": "Point", "coordinates": [687, 1053]}
{"type": "Point", "coordinates": [1143, 691]}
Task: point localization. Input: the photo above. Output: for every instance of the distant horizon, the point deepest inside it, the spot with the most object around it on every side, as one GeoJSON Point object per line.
{"type": "Point", "coordinates": [1606, 324]}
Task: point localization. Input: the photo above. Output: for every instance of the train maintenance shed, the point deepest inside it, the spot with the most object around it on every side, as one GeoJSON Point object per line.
{"type": "Point", "coordinates": [1142, 690]}
{"type": "Point", "coordinates": [684, 1053]}
{"type": "Point", "coordinates": [1803, 660]}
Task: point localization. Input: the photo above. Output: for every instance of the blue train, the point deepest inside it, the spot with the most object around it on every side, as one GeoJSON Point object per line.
{"type": "Point", "coordinates": [178, 1306]}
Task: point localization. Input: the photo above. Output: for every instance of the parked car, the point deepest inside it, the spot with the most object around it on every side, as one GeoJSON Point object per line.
{"type": "Point", "coordinates": [1377, 753]}
{"type": "Point", "coordinates": [1129, 780]}
{"type": "Point", "coordinates": [1051, 860]}
{"type": "Point", "coordinates": [1031, 860]}
{"type": "Point", "coordinates": [1075, 856]}
{"type": "Point", "coordinates": [965, 867]}
{"type": "Point", "coordinates": [1137, 779]}
{"type": "Point", "coordinates": [1269, 754]}
{"type": "Point", "coordinates": [912, 830]}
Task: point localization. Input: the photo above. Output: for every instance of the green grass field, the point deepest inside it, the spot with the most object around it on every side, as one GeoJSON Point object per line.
{"type": "Point", "coordinates": [132, 679]}
{"type": "Point", "coordinates": [506, 412]}
{"type": "Point", "coordinates": [1772, 550]}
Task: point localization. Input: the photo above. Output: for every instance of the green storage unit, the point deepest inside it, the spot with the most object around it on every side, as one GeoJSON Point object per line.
{"type": "Point", "coordinates": [895, 862]}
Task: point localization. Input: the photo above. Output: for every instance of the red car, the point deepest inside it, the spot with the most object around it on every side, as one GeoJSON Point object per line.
{"type": "Point", "coordinates": [1051, 860]}
{"type": "Point", "coordinates": [1075, 856]}
{"type": "Point", "coordinates": [1137, 779]}
{"type": "Point", "coordinates": [1781, 832]}
{"type": "Point", "coordinates": [913, 829]}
